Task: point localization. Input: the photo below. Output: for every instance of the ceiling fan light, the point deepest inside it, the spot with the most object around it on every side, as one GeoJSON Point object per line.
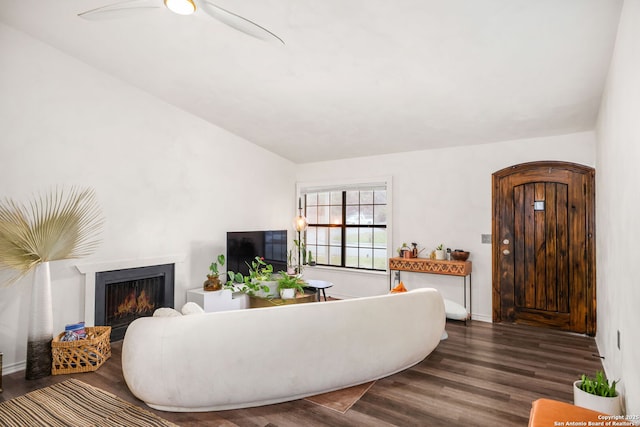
{"type": "Point", "coordinates": [181, 7]}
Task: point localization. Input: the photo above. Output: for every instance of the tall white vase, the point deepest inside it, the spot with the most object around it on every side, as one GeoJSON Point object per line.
{"type": "Point", "coordinates": [40, 325]}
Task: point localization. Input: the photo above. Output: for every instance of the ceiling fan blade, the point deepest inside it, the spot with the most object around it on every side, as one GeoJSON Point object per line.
{"type": "Point", "coordinates": [120, 9]}
{"type": "Point", "coordinates": [238, 22]}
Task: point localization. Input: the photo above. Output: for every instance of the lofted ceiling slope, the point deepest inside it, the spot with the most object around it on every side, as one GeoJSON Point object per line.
{"type": "Point", "coordinates": [355, 78]}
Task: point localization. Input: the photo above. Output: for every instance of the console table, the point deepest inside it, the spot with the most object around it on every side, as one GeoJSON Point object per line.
{"type": "Point", "coordinates": [432, 266]}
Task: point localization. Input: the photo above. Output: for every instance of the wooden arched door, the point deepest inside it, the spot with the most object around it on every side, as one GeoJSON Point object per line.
{"type": "Point", "coordinates": [544, 246]}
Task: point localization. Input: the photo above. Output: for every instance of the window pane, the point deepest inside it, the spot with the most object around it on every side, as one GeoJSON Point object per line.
{"type": "Point", "coordinates": [335, 235]}
{"type": "Point", "coordinates": [323, 215]}
{"type": "Point", "coordinates": [352, 257]}
{"type": "Point", "coordinates": [312, 199]}
{"type": "Point", "coordinates": [366, 214]}
{"type": "Point", "coordinates": [311, 236]}
{"type": "Point", "coordinates": [353, 215]}
{"type": "Point", "coordinates": [380, 214]}
{"type": "Point", "coordinates": [336, 198]}
{"type": "Point", "coordinates": [336, 215]}
{"type": "Point", "coordinates": [322, 254]}
{"type": "Point", "coordinates": [380, 197]}
{"type": "Point", "coordinates": [353, 197]}
{"type": "Point", "coordinates": [323, 199]}
{"type": "Point", "coordinates": [323, 235]}
{"type": "Point", "coordinates": [352, 237]}
{"type": "Point", "coordinates": [312, 215]}
{"type": "Point", "coordinates": [336, 257]}
{"type": "Point", "coordinates": [366, 237]}
{"type": "Point", "coordinates": [380, 259]}
{"type": "Point", "coordinates": [366, 197]}
{"type": "Point", "coordinates": [380, 238]}
{"type": "Point", "coordinates": [366, 258]}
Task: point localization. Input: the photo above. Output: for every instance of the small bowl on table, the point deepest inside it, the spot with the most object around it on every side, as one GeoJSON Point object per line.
{"type": "Point", "coordinates": [460, 255]}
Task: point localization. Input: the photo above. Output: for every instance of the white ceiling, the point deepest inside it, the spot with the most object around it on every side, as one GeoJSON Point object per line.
{"type": "Point", "coordinates": [359, 77]}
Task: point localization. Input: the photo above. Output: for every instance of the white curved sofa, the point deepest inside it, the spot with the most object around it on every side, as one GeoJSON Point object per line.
{"type": "Point", "coordinates": [252, 357]}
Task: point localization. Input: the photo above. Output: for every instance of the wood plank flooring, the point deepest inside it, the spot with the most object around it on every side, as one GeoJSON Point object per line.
{"type": "Point", "coordinates": [483, 375]}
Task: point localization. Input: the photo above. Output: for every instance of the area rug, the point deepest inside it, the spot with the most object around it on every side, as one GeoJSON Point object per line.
{"type": "Point", "coordinates": [74, 403]}
{"type": "Point", "coordinates": [341, 400]}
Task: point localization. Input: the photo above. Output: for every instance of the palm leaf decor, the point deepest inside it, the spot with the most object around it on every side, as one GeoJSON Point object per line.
{"type": "Point", "coordinates": [59, 225]}
{"type": "Point", "coordinates": [63, 224]}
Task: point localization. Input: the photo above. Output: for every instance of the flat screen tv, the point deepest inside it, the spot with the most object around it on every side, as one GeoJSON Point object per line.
{"type": "Point", "coordinates": [244, 246]}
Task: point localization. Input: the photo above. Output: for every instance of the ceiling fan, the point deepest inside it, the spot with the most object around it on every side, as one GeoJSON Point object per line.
{"type": "Point", "coordinates": [183, 7]}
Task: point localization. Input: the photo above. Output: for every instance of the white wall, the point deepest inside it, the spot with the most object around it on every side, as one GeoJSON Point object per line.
{"type": "Point", "coordinates": [443, 196]}
{"type": "Point", "coordinates": [168, 182]}
{"type": "Point", "coordinates": [618, 207]}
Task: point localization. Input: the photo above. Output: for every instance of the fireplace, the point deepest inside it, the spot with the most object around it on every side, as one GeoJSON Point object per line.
{"type": "Point", "coordinates": [121, 296]}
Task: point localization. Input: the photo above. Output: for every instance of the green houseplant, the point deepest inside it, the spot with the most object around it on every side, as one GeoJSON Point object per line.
{"type": "Point", "coordinates": [259, 270]}
{"type": "Point", "coordinates": [289, 285]}
{"type": "Point", "coordinates": [310, 259]}
{"type": "Point", "coordinates": [259, 282]}
{"type": "Point", "coordinates": [597, 394]}
{"type": "Point", "coordinates": [213, 278]}
{"type": "Point", "coordinates": [63, 224]}
{"type": "Point", "coordinates": [235, 281]}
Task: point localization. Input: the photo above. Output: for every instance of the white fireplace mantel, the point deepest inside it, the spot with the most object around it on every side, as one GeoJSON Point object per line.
{"type": "Point", "coordinates": [90, 269]}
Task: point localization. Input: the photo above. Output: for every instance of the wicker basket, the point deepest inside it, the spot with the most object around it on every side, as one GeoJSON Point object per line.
{"type": "Point", "coordinates": [87, 355]}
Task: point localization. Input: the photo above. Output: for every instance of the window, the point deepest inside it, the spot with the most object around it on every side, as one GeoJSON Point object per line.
{"type": "Point", "coordinates": [348, 226]}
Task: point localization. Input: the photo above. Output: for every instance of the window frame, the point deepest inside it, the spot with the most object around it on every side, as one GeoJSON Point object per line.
{"type": "Point", "coordinates": [302, 188]}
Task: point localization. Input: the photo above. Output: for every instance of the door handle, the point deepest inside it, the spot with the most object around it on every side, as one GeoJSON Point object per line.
{"type": "Point", "coordinates": [506, 252]}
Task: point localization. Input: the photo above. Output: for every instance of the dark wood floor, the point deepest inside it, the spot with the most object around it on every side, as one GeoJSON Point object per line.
{"type": "Point", "coordinates": [483, 375]}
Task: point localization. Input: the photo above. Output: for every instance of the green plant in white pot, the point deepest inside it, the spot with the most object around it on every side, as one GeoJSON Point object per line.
{"type": "Point", "coordinates": [60, 225]}
{"type": "Point", "coordinates": [597, 394]}
{"type": "Point", "coordinates": [289, 285]}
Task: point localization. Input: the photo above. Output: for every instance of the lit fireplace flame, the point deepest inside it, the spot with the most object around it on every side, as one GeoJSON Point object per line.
{"type": "Point", "coordinates": [131, 304]}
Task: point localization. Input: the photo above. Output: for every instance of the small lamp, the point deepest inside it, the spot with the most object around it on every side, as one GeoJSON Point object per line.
{"type": "Point", "coordinates": [300, 223]}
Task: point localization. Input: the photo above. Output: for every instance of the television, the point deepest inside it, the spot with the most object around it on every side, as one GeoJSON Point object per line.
{"type": "Point", "coordinates": [244, 246]}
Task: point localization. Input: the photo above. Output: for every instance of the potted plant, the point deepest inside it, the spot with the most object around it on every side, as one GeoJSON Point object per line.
{"type": "Point", "coordinates": [289, 286]}
{"type": "Point", "coordinates": [63, 224]}
{"type": "Point", "coordinates": [213, 279]}
{"type": "Point", "coordinates": [237, 282]}
{"type": "Point", "coordinates": [597, 394]}
{"type": "Point", "coordinates": [259, 282]}
{"type": "Point", "coordinates": [310, 259]}
{"type": "Point", "coordinates": [440, 252]}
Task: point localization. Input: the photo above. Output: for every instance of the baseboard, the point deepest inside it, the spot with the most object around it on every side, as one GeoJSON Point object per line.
{"type": "Point", "coordinates": [482, 317]}
{"type": "Point", "coordinates": [474, 316]}
{"type": "Point", "coordinates": [14, 367]}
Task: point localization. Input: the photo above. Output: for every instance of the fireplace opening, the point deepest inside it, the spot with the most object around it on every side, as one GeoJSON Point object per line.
{"type": "Point", "coordinates": [125, 295]}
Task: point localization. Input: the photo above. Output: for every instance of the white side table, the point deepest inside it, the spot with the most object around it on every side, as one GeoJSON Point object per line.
{"type": "Point", "coordinates": [222, 300]}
